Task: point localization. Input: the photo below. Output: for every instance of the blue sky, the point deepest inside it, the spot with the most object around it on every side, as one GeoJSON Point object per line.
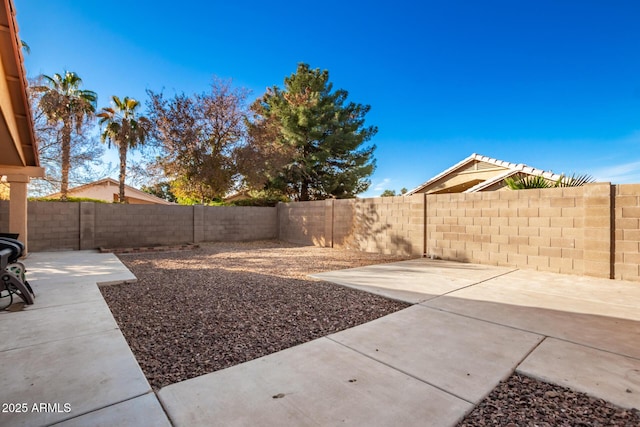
{"type": "Point", "coordinates": [554, 84]}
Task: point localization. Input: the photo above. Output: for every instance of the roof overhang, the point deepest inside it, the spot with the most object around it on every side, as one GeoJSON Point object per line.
{"type": "Point", "coordinates": [18, 147]}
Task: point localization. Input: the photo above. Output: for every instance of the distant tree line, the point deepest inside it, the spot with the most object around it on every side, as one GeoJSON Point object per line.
{"type": "Point", "coordinates": [304, 141]}
{"type": "Point", "coordinates": [392, 193]}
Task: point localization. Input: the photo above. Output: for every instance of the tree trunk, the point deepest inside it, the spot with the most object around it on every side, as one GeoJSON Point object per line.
{"type": "Point", "coordinates": [123, 169]}
{"type": "Point", "coordinates": [66, 159]}
{"type": "Point", "coordinates": [304, 191]}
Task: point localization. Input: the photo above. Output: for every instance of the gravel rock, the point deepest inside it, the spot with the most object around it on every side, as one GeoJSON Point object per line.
{"type": "Point", "coordinates": [195, 312]}
{"type": "Point", "coordinates": [524, 401]}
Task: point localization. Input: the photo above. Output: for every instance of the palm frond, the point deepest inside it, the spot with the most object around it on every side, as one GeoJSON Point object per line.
{"type": "Point", "coordinates": [526, 182]}
{"type": "Point", "coordinates": [25, 47]}
{"type": "Point", "coordinates": [574, 180]}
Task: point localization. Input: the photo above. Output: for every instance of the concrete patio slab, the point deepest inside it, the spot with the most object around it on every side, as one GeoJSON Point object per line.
{"type": "Point", "coordinates": [64, 278]}
{"type": "Point", "coordinates": [425, 365]}
{"type": "Point", "coordinates": [600, 374]}
{"type": "Point", "coordinates": [314, 384]}
{"type": "Point", "coordinates": [61, 293]}
{"type": "Point", "coordinates": [86, 372]}
{"type": "Point", "coordinates": [140, 411]}
{"type": "Point", "coordinates": [576, 309]}
{"type": "Point", "coordinates": [78, 266]}
{"type": "Point", "coordinates": [54, 324]}
{"type": "Point", "coordinates": [415, 280]}
{"type": "Point", "coordinates": [465, 357]}
{"type": "Point", "coordinates": [572, 294]}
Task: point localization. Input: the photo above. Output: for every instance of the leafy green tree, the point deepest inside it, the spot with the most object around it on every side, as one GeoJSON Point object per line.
{"type": "Point", "coordinates": [162, 190]}
{"type": "Point", "coordinates": [318, 138]}
{"type": "Point", "coordinates": [63, 102]}
{"type": "Point", "coordinates": [525, 182]}
{"type": "Point", "coordinates": [126, 129]}
{"type": "Point", "coordinates": [392, 193]}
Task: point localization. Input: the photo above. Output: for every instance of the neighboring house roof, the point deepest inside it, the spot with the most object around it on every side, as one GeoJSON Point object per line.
{"type": "Point", "coordinates": [107, 189]}
{"type": "Point", "coordinates": [478, 173]}
{"type": "Point", "coordinates": [240, 195]}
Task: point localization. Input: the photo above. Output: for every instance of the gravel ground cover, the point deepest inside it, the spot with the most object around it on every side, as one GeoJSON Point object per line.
{"type": "Point", "coordinates": [524, 401]}
{"type": "Point", "coordinates": [195, 312]}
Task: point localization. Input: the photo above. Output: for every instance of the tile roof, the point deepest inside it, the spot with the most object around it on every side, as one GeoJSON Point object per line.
{"type": "Point", "coordinates": [512, 169]}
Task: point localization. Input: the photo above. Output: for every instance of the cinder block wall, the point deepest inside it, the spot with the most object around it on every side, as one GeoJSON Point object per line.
{"type": "Point", "coordinates": [238, 223]}
{"type": "Point", "coordinates": [565, 230]}
{"type": "Point", "coordinates": [627, 232]}
{"type": "Point", "coordinates": [124, 225]}
{"type": "Point", "coordinates": [343, 223]}
{"type": "Point", "coordinates": [53, 225]}
{"type": "Point", "coordinates": [305, 223]}
{"type": "Point", "coordinates": [388, 225]}
{"type": "Point", "coordinates": [592, 230]}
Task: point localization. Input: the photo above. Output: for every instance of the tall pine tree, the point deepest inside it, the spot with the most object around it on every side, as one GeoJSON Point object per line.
{"type": "Point", "coordinates": [318, 138]}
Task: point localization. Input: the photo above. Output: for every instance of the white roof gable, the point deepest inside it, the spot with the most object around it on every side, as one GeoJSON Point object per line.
{"type": "Point", "coordinates": [512, 169]}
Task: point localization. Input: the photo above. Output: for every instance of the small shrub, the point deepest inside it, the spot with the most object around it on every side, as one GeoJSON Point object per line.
{"type": "Point", "coordinates": [260, 201]}
{"type": "Point", "coordinates": [69, 199]}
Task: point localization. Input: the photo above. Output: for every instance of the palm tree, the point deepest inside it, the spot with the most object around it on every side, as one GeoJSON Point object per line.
{"type": "Point", "coordinates": [125, 129]}
{"type": "Point", "coordinates": [64, 102]}
{"type": "Point", "coordinates": [25, 47]}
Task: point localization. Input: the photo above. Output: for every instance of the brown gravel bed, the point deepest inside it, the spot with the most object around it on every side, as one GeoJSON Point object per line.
{"type": "Point", "coordinates": [524, 401]}
{"type": "Point", "coordinates": [195, 312]}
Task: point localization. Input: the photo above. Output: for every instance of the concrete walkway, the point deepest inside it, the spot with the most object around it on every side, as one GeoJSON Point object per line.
{"type": "Point", "coordinates": [64, 360]}
{"type": "Point", "coordinates": [470, 327]}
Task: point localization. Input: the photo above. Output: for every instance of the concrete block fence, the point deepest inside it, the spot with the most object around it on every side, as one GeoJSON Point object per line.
{"type": "Point", "coordinates": [55, 226]}
{"type": "Point", "coordinates": [559, 230]}
{"type": "Point", "coordinates": [592, 230]}
{"type": "Point", "coordinates": [389, 225]}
